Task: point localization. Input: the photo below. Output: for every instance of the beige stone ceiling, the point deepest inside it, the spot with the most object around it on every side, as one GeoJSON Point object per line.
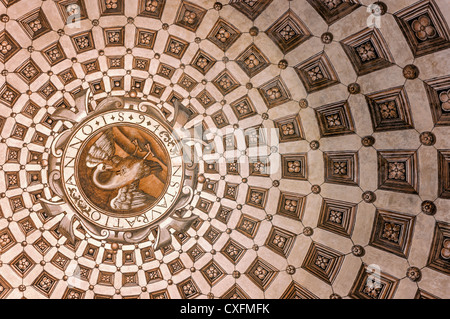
{"type": "Point", "coordinates": [362, 115]}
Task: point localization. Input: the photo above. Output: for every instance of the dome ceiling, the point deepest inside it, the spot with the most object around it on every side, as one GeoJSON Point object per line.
{"type": "Point", "coordinates": [347, 195]}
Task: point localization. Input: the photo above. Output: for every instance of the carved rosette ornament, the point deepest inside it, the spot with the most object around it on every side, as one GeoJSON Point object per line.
{"type": "Point", "coordinates": [120, 172]}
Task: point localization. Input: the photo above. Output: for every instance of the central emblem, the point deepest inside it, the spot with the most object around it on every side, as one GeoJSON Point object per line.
{"type": "Point", "coordinates": [120, 173]}
{"type": "Point", "coordinates": [122, 169]}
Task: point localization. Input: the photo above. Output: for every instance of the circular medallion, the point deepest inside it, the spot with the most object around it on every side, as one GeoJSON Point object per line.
{"type": "Point", "coordinates": [122, 170]}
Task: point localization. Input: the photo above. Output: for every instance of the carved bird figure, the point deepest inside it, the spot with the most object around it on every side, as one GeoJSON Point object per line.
{"type": "Point", "coordinates": [114, 172]}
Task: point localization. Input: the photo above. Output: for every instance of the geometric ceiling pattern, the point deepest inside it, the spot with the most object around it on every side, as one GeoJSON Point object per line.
{"type": "Point", "coordinates": [352, 201]}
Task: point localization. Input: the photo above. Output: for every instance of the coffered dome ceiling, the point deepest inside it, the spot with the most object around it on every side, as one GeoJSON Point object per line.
{"type": "Point", "coordinates": [348, 198]}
